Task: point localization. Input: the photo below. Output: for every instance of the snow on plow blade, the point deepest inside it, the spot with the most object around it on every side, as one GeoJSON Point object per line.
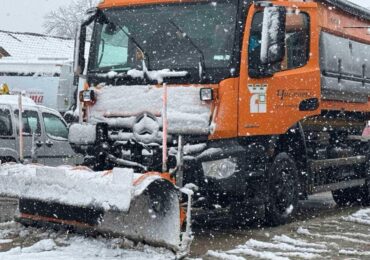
{"type": "Point", "coordinates": [143, 208]}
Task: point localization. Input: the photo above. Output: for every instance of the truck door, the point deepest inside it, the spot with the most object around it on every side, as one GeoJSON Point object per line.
{"type": "Point", "coordinates": [31, 127]}
{"type": "Point", "coordinates": [273, 97]}
{"type": "Point", "coordinates": [57, 148]}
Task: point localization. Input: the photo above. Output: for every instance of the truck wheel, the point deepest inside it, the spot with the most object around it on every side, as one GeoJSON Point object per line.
{"type": "Point", "coordinates": [283, 190]}
{"type": "Point", "coordinates": [350, 196]}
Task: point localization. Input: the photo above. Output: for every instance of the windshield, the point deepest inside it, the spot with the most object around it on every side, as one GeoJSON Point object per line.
{"type": "Point", "coordinates": [175, 36]}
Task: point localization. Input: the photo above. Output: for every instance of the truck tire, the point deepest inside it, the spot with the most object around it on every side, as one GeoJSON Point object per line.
{"type": "Point", "coordinates": [350, 196]}
{"type": "Point", "coordinates": [283, 192]}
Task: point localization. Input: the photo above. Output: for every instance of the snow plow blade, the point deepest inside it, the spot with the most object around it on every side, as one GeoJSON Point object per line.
{"type": "Point", "coordinates": [141, 207]}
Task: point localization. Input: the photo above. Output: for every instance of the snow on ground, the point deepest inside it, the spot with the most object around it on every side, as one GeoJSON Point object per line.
{"type": "Point", "coordinates": [361, 217]}
{"type": "Point", "coordinates": [18, 242]}
{"type": "Point", "coordinates": [343, 235]}
{"type": "Point", "coordinates": [337, 237]}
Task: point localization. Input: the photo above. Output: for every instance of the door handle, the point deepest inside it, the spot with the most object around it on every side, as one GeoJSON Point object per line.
{"type": "Point", "coordinates": [49, 143]}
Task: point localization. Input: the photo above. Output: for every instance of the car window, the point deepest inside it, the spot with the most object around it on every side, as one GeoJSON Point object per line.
{"type": "Point", "coordinates": [55, 127]}
{"type": "Point", "coordinates": [31, 122]}
{"type": "Point", "coordinates": [5, 123]}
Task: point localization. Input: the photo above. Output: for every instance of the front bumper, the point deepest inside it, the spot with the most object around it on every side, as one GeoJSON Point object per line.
{"type": "Point", "coordinates": [230, 167]}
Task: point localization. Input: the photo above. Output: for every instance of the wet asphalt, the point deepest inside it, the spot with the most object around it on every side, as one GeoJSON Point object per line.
{"type": "Point", "coordinates": [319, 215]}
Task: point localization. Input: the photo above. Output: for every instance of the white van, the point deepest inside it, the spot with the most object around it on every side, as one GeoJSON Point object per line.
{"type": "Point", "coordinates": [45, 133]}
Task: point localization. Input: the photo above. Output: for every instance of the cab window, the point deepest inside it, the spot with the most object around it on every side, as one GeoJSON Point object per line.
{"type": "Point", "coordinates": [113, 46]}
{"type": "Point", "coordinates": [297, 42]}
{"type": "Point", "coordinates": [31, 122]}
{"type": "Point", "coordinates": [55, 128]}
{"type": "Point", "coordinates": [5, 123]}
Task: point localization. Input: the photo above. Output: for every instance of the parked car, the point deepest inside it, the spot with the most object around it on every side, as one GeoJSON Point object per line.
{"type": "Point", "coordinates": [45, 133]}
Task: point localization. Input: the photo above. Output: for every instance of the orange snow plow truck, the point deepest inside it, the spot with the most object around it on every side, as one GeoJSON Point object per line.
{"type": "Point", "coordinates": [257, 103]}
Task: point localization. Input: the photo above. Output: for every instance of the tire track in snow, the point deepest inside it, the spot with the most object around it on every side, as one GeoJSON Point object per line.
{"type": "Point", "coordinates": [337, 237]}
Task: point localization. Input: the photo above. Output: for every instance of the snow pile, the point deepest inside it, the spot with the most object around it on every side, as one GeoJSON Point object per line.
{"type": "Point", "coordinates": [41, 246]}
{"type": "Point", "coordinates": [61, 246]}
{"type": "Point", "coordinates": [289, 244]}
{"type": "Point", "coordinates": [339, 237]}
{"type": "Point", "coordinates": [81, 248]}
{"type": "Point", "coordinates": [360, 217]}
{"type": "Point", "coordinates": [282, 248]}
{"type": "Point", "coordinates": [120, 105]}
{"type": "Point", "coordinates": [72, 186]}
{"type": "Point", "coordinates": [354, 253]}
{"type": "Point", "coordinates": [297, 242]}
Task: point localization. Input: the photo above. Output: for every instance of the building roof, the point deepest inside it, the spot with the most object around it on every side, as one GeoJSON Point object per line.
{"type": "Point", "coordinates": [32, 45]}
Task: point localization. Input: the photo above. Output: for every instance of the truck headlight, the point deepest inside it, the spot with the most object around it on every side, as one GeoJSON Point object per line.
{"type": "Point", "coordinates": [206, 94]}
{"type": "Point", "coordinates": [220, 169]}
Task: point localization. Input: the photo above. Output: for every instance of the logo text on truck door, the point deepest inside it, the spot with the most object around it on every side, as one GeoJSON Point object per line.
{"type": "Point", "coordinates": [258, 101]}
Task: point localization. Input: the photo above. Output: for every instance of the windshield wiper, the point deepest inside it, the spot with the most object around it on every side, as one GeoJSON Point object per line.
{"type": "Point", "coordinates": [202, 62]}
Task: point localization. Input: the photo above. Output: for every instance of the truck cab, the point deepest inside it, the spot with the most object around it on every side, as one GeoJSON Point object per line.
{"type": "Point", "coordinates": [45, 133]}
{"type": "Point", "coordinates": [268, 98]}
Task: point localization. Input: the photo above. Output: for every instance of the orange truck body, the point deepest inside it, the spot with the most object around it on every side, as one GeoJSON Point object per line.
{"type": "Point", "coordinates": [232, 117]}
{"type": "Point", "coordinates": [309, 113]}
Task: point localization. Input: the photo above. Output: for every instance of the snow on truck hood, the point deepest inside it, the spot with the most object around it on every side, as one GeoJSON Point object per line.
{"type": "Point", "coordinates": [121, 105]}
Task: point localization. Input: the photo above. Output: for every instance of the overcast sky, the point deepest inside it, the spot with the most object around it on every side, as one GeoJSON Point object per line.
{"type": "Point", "coordinates": [28, 15]}
{"type": "Point", "coordinates": [365, 3]}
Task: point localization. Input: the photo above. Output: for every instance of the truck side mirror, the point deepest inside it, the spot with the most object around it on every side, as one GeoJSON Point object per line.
{"type": "Point", "coordinates": [273, 35]}
{"type": "Point", "coordinates": [79, 58]}
{"type": "Point", "coordinates": [80, 42]}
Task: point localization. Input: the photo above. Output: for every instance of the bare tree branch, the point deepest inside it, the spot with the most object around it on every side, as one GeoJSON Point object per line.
{"type": "Point", "coordinates": [64, 20]}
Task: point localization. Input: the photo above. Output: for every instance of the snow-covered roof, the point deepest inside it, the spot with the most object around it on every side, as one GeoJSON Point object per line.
{"type": "Point", "coordinates": [32, 45]}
